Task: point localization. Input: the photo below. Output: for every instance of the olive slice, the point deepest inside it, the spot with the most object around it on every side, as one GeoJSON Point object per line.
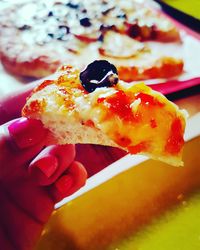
{"type": "Point", "coordinates": [98, 74]}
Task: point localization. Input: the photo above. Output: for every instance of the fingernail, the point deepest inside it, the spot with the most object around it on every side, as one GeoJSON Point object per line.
{"type": "Point", "coordinates": [27, 133]}
{"type": "Point", "coordinates": [47, 165]}
{"type": "Point", "coordinates": [64, 184]}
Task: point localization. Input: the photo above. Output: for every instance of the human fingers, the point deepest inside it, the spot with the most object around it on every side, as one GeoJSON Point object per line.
{"type": "Point", "coordinates": [55, 167]}
{"type": "Point", "coordinates": [26, 132]}
{"type": "Point", "coordinates": [51, 163]}
{"type": "Point", "coordinates": [71, 181]}
{"type": "Point", "coordinates": [20, 141]}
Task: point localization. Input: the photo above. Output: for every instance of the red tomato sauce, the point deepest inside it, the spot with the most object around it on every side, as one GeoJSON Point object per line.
{"type": "Point", "coordinates": [43, 85]}
{"type": "Point", "coordinates": [175, 141]}
{"type": "Point", "coordinates": [119, 104]}
{"type": "Point", "coordinates": [148, 99]}
{"type": "Point", "coordinates": [140, 147]}
{"type": "Point", "coordinates": [34, 107]}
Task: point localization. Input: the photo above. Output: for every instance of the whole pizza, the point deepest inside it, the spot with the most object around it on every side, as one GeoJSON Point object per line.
{"type": "Point", "coordinates": [36, 37]}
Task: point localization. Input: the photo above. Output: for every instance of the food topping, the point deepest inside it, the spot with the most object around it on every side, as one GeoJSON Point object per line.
{"type": "Point", "coordinates": [175, 141]}
{"type": "Point", "coordinates": [119, 104]}
{"type": "Point", "coordinates": [85, 21]}
{"type": "Point", "coordinates": [141, 32]}
{"type": "Point", "coordinates": [148, 99]}
{"type": "Point", "coordinates": [99, 73]}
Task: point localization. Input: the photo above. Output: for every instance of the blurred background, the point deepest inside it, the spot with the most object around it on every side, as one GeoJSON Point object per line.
{"type": "Point", "coordinates": [151, 206]}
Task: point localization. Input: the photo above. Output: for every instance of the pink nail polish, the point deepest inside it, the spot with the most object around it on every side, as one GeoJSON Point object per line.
{"type": "Point", "coordinates": [64, 184]}
{"type": "Point", "coordinates": [47, 165]}
{"type": "Point", "coordinates": [27, 133]}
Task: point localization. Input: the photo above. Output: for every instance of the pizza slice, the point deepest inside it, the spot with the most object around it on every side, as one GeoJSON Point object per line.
{"type": "Point", "coordinates": [94, 106]}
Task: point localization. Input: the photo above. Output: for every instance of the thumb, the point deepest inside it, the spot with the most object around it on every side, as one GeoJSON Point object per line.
{"type": "Point", "coordinates": [20, 141]}
{"type": "Point", "coordinates": [26, 132]}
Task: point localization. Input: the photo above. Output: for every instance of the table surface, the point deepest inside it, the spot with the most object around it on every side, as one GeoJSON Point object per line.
{"type": "Point", "coordinates": [190, 103]}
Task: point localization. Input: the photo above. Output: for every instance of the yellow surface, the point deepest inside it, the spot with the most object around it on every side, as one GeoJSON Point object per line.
{"type": "Point", "coordinates": [149, 207]}
{"type": "Point", "coordinates": [178, 229]}
{"type": "Point", "coordinates": [191, 7]}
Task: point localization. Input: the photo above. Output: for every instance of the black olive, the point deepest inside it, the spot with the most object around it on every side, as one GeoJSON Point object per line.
{"type": "Point", "coordinates": [101, 38]}
{"type": "Point", "coordinates": [122, 15]}
{"type": "Point", "coordinates": [98, 74]}
{"type": "Point", "coordinates": [61, 33]}
{"type": "Point", "coordinates": [85, 21]}
{"type": "Point", "coordinates": [24, 27]}
{"type": "Point", "coordinates": [51, 35]}
{"type": "Point", "coordinates": [105, 11]}
{"type": "Point", "coordinates": [64, 28]}
{"type": "Point", "coordinates": [84, 10]}
{"type": "Point", "coordinates": [72, 5]}
{"type": "Point", "coordinates": [50, 13]}
{"type": "Point", "coordinates": [105, 27]}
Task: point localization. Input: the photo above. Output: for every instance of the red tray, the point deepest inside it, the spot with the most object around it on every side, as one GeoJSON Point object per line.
{"type": "Point", "coordinates": [172, 86]}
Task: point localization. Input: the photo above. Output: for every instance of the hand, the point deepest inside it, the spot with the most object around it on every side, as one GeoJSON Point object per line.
{"type": "Point", "coordinates": [32, 180]}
